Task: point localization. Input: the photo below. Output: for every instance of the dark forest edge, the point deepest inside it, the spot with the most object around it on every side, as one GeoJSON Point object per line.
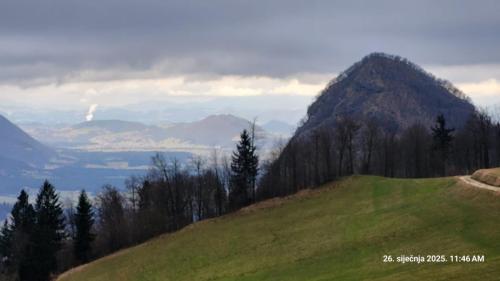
{"type": "Point", "coordinates": [365, 147]}
{"type": "Point", "coordinates": [41, 240]}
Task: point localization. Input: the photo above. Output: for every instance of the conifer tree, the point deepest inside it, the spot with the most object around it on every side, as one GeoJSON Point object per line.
{"type": "Point", "coordinates": [442, 137]}
{"type": "Point", "coordinates": [46, 237]}
{"type": "Point", "coordinates": [5, 243]}
{"type": "Point", "coordinates": [22, 222]}
{"type": "Point", "coordinates": [244, 167]}
{"type": "Point", "coordinates": [84, 221]}
{"type": "Point", "coordinates": [23, 213]}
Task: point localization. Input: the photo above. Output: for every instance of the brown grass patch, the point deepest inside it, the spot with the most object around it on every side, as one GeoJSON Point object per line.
{"type": "Point", "coordinates": [488, 176]}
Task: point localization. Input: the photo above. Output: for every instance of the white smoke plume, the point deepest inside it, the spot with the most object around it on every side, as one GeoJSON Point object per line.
{"type": "Point", "coordinates": [90, 113]}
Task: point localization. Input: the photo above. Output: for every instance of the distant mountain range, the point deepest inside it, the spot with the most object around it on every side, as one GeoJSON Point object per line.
{"type": "Point", "coordinates": [390, 90]}
{"type": "Point", "coordinates": [90, 154]}
{"type": "Point", "coordinates": [116, 135]}
{"type": "Point", "coordinates": [214, 130]}
{"type": "Point", "coordinates": [26, 162]}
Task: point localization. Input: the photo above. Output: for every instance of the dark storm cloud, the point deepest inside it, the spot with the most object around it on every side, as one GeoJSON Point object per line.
{"type": "Point", "coordinates": [63, 39]}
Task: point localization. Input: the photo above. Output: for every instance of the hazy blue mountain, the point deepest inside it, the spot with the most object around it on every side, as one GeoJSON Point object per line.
{"type": "Point", "coordinates": [215, 130]}
{"type": "Point", "coordinates": [21, 157]}
{"type": "Point", "coordinates": [19, 147]}
{"type": "Point", "coordinates": [279, 127]}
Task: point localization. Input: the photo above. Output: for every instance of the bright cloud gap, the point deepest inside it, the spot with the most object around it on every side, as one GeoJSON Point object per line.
{"type": "Point", "coordinates": [122, 92]}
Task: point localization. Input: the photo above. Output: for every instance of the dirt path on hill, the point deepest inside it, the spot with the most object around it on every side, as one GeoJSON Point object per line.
{"type": "Point", "coordinates": [468, 180]}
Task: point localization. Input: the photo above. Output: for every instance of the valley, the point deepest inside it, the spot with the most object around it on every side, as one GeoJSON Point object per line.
{"type": "Point", "coordinates": [90, 154]}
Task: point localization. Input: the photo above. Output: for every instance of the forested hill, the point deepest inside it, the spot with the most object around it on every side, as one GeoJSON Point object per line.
{"type": "Point", "coordinates": [385, 116]}
{"type": "Point", "coordinates": [390, 90]}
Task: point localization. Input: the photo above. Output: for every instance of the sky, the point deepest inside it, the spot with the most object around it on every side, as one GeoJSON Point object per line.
{"type": "Point", "coordinates": [95, 54]}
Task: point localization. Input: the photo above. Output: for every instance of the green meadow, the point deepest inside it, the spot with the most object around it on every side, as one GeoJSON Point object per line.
{"type": "Point", "coordinates": [340, 231]}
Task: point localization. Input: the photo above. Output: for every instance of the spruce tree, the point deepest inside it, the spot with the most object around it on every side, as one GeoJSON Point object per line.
{"type": "Point", "coordinates": [5, 244]}
{"type": "Point", "coordinates": [244, 171]}
{"type": "Point", "coordinates": [46, 237]}
{"type": "Point", "coordinates": [442, 137]}
{"type": "Point", "coordinates": [23, 213]}
{"type": "Point", "coordinates": [22, 223]}
{"type": "Point", "coordinates": [84, 221]}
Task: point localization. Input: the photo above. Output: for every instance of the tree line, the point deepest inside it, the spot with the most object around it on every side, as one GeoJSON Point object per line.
{"type": "Point", "coordinates": [38, 240]}
{"type": "Point", "coordinates": [366, 147]}
{"type": "Point", "coordinates": [30, 240]}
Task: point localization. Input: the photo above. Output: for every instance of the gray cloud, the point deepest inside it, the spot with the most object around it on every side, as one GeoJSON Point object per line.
{"type": "Point", "coordinates": [54, 40]}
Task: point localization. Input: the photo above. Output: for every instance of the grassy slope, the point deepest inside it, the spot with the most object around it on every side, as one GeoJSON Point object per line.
{"type": "Point", "coordinates": [336, 233]}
